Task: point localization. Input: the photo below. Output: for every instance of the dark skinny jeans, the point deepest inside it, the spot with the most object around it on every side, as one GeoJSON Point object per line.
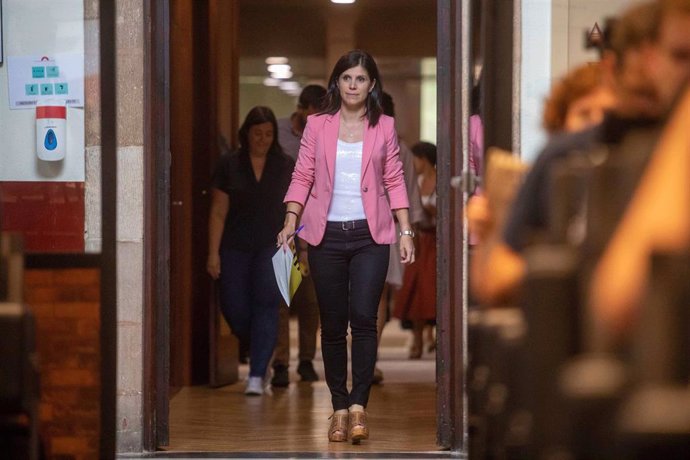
{"type": "Point", "coordinates": [349, 271]}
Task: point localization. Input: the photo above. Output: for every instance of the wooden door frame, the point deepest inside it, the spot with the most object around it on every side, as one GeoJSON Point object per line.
{"type": "Point", "coordinates": [108, 258]}
{"type": "Point", "coordinates": [499, 45]}
{"type": "Point", "coordinates": [453, 84]}
{"type": "Point", "coordinates": [156, 321]}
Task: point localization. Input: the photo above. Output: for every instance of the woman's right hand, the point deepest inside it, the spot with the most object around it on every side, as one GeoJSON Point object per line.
{"type": "Point", "coordinates": [286, 235]}
{"type": "Point", "coordinates": [213, 266]}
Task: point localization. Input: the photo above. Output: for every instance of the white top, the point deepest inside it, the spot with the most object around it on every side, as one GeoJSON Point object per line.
{"type": "Point", "coordinates": [427, 200]}
{"type": "Point", "coordinates": [346, 203]}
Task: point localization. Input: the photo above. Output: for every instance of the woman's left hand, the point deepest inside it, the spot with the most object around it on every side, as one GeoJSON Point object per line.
{"type": "Point", "coordinates": [406, 249]}
{"type": "Point", "coordinates": [303, 262]}
{"type": "Point", "coordinates": [286, 235]}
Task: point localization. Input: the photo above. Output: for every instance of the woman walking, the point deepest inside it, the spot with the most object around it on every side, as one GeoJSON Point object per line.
{"type": "Point", "coordinates": [347, 179]}
{"type": "Point", "coordinates": [246, 210]}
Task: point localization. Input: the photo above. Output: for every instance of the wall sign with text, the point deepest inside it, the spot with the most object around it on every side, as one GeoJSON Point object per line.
{"type": "Point", "coordinates": [36, 78]}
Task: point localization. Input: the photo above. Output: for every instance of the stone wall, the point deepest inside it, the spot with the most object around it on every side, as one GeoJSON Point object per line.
{"type": "Point", "coordinates": [130, 223]}
{"type": "Point", "coordinates": [130, 206]}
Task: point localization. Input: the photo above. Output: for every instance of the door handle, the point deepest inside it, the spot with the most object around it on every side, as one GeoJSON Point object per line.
{"type": "Point", "coordinates": [467, 182]}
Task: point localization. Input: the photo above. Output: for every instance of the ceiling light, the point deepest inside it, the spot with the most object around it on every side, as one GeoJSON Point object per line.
{"type": "Point", "coordinates": [289, 85]}
{"type": "Point", "coordinates": [279, 68]}
{"type": "Point", "coordinates": [343, 1]}
{"type": "Point", "coordinates": [271, 82]}
{"type": "Point", "coordinates": [276, 60]}
{"type": "Point", "coordinates": [285, 74]}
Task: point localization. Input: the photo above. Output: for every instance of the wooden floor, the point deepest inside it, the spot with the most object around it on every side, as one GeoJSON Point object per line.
{"type": "Point", "coordinates": [294, 421]}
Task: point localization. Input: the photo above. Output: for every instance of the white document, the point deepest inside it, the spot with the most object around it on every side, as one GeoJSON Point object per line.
{"type": "Point", "coordinates": [282, 267]}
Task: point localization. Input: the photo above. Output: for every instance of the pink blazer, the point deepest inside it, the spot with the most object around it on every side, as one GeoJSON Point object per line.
{"type": "Point", "coordinates": [383, 183]}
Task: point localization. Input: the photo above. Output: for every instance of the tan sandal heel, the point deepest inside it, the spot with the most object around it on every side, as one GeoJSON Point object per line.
{"type": "Point", "coordinates": [337, 432]}
{"type": "Point", "coordinates": [359, 429]}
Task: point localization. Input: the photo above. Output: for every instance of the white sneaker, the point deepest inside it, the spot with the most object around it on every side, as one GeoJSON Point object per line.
{"type": "Point", "coordinates": [255, 386]}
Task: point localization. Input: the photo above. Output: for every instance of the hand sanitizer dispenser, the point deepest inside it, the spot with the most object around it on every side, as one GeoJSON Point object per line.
{"type": "Point", "coordinates": [51, 130]}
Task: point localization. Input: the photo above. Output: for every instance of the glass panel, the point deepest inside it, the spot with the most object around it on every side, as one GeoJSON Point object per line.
{"type": "Point", "coordinates": [49, 125]}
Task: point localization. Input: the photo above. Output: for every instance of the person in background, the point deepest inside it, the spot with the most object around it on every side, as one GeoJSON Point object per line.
{"type": "Point", "coordinates": [476, 136]}
{"type": "Point", "coordinates": [476, 157]}
{"type": "Point", "coordinates": [394, 277]}
{"type": "Point", "coordinates": [290, 128]}
{"type": "Point", "coordinates": [304, 302]}
{"type": "Point", "coordinates": [347, 179]}
{"type": "Point", "coordinates": [246, 211]}
{"type": "Point", "coordinates": [416, 301]}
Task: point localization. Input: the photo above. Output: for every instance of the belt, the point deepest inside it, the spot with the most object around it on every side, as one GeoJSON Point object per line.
{"type": "Point", "coordinates": [350, 224]}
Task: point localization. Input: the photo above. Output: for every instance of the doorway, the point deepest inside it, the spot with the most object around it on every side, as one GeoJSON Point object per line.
{"type": "Point", "coordinates": [211, 115]}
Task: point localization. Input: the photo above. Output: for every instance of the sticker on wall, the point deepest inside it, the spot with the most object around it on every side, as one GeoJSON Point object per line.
{"type": "Point", "coordinates": [39, 78]}
{"type": "Point", "coordinates": [595, 37]}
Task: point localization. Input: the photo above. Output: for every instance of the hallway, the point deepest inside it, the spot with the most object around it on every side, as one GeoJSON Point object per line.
{"type": "Point", "coordinates": [294, 421]}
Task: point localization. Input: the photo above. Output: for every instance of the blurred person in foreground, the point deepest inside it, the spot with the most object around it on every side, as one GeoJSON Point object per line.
{"type": "Point", "coordinates": [656, 221]}
{"type": "Point", "coordinates": [304, 302]}
{"type": "Point", "coordinates": [347, 180]}
{"type": "Point", "coordinates": [246, 211]}
{"type": "Point", "coordinates": [640, 102]}
{"type": "Point", "coordinates": [619, 280]}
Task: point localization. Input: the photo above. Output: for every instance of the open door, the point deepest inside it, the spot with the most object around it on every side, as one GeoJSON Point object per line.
{"type": "Point", "coordinates": [202, 106]}
{"type": "Point", "coordinates": [453, 82]}
{"type": "Point", "coordinates": [156, 224]}
{"type": "Point", "coordinates": [223, 98]}
{"type": "Point", "coordinates": [190, 115]}
{"type": "Point", "coordinates": [471, 35]}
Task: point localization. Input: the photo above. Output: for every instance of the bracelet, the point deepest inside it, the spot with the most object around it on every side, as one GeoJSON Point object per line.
{"type": "Point", "coordinates": [292, 212]}
{"type": "Point", "coordinates": [409, 233]}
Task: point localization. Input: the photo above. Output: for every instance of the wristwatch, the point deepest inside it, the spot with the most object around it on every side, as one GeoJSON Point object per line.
{"type": "Point", "coordinates": [409, 233]}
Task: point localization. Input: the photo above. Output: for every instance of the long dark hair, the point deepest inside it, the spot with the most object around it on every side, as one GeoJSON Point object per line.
{"type": "Point", "coordinates": [347, 61]}
{"type": "Point", "coordinates": [257, 116]}
{"type": "Point", "coordinates": [425, 150]}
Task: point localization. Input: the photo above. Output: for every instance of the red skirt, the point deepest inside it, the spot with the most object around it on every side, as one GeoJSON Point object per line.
{"type": "Point", "coordinates": [416, 299]}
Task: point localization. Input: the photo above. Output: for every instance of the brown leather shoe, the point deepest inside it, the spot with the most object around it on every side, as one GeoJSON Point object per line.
{"type": "Point", "coordinates": [358, 426]}
{"type": "Point", "coordinates": [337, 432]}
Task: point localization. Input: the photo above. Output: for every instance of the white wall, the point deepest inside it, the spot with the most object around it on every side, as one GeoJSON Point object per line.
{"type": "Point", "coordinates": [427, 106]}
{"type": "Point", "coordinates": [39, 27]}
{"type": "Point", "coordinates": [553, 34]}
{"type": "Point", "coordinates": [581, 16]}
{"type": "Point", "coordinates": [535, 76]}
